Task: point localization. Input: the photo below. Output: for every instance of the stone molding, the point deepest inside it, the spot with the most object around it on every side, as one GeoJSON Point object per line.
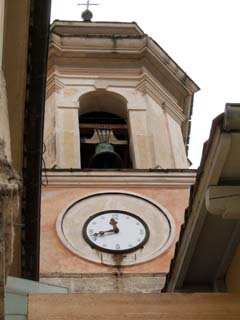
{"type": "Point", "coordinates": [143, 44]}
{"type": "Point", "coordinates": [144, 83]}
{"type": "Point", "coordinates": [149, 86]}
{"type": "Point", "coordinates": [54, 84]}
{"type": "Point", "coordinates": [119, 179]}
{"type": "Point", "coordinates": [121, 28]}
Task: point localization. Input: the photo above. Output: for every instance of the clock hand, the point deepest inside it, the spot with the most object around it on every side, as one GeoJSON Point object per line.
{"type": "Point", "coordinates": [115, 229]}
{"type": "Point", "coordinates": [101, 233]}
{"type": "Point", "coordinates": [114, 223]}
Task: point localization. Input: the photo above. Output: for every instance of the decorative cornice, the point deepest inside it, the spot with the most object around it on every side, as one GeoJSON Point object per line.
{"type": "Point", "coordinates": [178, 178]}
{"type": "Point", "coordinates": [115, 30]}
{"type": "Point", "coordinates": [54, 84]}
{"type": "Point", "coordinates": [106, 28]}
{"type": "Point", "coordinates": [141, 47]}
{"type": "Point", "coordinates": [149, 86]}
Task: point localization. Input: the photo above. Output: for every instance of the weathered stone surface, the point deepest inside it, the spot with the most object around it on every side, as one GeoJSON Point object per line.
{"type": "Point", "coordinates": [9, 204]}
{"type": "Point", "coordinates": [9, 194]}
{"type": "Point", "coordinates": [109, 283]}
{"type": "Point", "coordinates": [9, 200]}
{"type": "Point", "coordinates": [4, 123]}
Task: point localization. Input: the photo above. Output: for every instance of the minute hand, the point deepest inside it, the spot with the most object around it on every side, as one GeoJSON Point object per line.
{"type": "Point", "coordinates": [101, 233]}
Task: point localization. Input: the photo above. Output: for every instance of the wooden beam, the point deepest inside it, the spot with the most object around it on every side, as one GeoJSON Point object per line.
{"type": "Point", "coordinates": [134, 306]}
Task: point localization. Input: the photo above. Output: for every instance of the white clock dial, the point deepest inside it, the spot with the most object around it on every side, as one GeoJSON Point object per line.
{"type": "Point", "coordinates": [115, 231]}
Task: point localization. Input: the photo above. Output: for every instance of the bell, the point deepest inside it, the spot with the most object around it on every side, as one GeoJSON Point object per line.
{"type": "Point", "coordinates": [105, 157]}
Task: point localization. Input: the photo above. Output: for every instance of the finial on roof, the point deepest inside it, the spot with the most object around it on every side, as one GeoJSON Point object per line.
{"type": "Point", "coordinates": [87, 14]}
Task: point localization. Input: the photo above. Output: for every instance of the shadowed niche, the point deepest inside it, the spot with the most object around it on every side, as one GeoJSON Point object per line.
{"type": "Point", "coordinates": [104, 131]}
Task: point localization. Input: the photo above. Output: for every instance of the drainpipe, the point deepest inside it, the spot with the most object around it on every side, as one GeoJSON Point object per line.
{"type": "Point", "coordinates": [33, 135]}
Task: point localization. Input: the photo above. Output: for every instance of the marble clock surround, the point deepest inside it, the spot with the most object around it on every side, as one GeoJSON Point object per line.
{"type": "Point", "coordinates": [160, 222]}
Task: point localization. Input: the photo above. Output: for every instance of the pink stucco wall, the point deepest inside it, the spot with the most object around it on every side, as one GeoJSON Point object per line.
{"type": "Point", "coordinates": [55, 258]}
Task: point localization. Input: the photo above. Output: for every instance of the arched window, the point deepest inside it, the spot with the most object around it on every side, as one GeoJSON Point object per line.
{"type": "Point", "coordinates": [104, 141]}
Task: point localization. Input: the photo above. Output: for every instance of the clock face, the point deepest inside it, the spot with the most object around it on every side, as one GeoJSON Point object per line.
{"type": "Point", "coordinates": [113, 228]}
{"type": "Point", "coordinates": [115, 231]}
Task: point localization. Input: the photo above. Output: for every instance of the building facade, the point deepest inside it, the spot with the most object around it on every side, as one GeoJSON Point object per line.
{"type": "Point", "coordinates": [23, 24]}
{"type": "Point", "coordinates": [111, 86]}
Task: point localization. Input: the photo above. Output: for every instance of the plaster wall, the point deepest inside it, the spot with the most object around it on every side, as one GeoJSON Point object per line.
{"type": "Point", "coordinates": [58, 265]}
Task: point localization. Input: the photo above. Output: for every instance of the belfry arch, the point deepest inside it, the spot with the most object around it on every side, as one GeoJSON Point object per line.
{"type": "Point", "coordinates": [104, 136]}
{"type": "Point", "coordinates": [103, 101]}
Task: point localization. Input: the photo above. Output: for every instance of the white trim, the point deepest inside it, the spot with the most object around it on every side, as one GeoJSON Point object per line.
{"type": "Point", "coordinates": [119, 179]}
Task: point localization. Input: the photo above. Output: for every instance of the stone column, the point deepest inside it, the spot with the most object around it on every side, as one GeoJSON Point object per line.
{"type": "Point", "coordinates": [67, 138]}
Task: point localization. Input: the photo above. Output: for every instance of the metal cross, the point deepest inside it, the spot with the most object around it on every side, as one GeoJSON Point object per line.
{"type": "Point", "coordinates": [87, 4]}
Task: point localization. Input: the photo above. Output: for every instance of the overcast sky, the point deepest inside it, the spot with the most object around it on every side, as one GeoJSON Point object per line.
{"type": "Point", "coordinates": [202, 36]}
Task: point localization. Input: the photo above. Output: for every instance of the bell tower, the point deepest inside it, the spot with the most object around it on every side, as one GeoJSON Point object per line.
{"type": "Point", "coordinates": [117, 177]}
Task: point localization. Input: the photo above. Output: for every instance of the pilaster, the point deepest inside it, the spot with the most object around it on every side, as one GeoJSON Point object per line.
{"type": "Point", "coordinates": [67, 137]}
{"type": "Point", "coordinates": [177, 144]}
{"type": "Point", "coordinates": [139, 139]}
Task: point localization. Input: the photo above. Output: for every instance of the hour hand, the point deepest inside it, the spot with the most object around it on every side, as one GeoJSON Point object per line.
{"type": "Point", "coordinates": [113, 222]}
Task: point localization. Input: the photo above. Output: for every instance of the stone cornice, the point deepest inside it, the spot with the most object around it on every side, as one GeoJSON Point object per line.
{"type": "Point", "coordinates": [154, 52]}
{"type": "Point", "coordinates": [54, 84]}
{"type": "Point", "coordinates": [141, 178]}
{"type": "Point", "coordinates": [137, 47]}
{"type": "Point", "coordinates": [149, 86]}
{"type": "Point", "coordinates": [107, 28]}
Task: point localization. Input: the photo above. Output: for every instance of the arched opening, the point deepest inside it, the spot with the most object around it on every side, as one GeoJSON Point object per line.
{"type": "Point", "coordinates": [104, 138]}
{"type": "Point", "coordinates": [95, 126]}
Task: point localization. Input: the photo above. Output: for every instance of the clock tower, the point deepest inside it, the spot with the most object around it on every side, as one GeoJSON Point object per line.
{"type": "Point", "coordinates": [116, 175]}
